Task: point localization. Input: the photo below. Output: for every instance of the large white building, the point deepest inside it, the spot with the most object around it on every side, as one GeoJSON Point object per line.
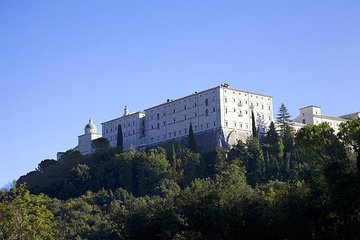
{"type": "Point", "coordinates": [312, 115]}
{"type": "Point", "coordinates": [220, 115]}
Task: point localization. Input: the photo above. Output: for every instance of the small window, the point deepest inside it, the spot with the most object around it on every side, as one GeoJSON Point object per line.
{"type": "Point", "coordinates": [158, 116]}
{"type": "Point", "coordinates": [226, 124]}
{"type": "Point", "coordinates": [158, 125]}
{"type": "Point", "coordinates": [304, 121]}
{"type": "Point", "coordinates": [207, 112]}
{"type": "Point", "coordinates": [206, 102]}
{"type": "Point", "coordinates": [225, 100]}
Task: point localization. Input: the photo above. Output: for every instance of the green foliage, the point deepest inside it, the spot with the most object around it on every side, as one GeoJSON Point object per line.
{"type": "Point", "coordinates": [253, 125]}
{"type": "Point", "coordinates": [25, 216]}
{"type": "Point", "coordinates": [100, 144]}
{"type": "Point", "coordinates": [120, 141]}
{"type": "Point", "coordinates": [278, 189]}
{"type": "Point", "coordinates": [283, 117]}
{"type": "Point", "coordinates": [191, 139]}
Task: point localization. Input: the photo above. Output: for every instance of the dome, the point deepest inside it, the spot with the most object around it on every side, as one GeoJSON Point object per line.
{"type": "Point", "coordinates": [90, 125]}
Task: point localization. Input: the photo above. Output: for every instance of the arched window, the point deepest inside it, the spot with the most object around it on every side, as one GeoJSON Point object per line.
{"type": "Point", "coordinates": [206, 102]}
{"type": "Point", "coordinates": [158, 116]}
{"type": "Point", "coordinates": [158, 125]}
{"type": "Point", "coordinates": [304, 121]}
{"type": "Point", "coordinates": [207, 112]}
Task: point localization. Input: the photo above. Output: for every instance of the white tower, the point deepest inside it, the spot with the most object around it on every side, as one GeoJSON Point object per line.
{"type": "Point", "coordinates": [126, 111]}
{"type": "Point", "coordinates": [84, 143]}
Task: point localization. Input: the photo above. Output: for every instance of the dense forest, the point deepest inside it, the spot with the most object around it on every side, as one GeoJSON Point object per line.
{"type": "Point", "coordinates": [276, 185]}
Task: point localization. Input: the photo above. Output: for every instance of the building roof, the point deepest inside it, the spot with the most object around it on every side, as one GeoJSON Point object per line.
{"type": "Point", "coordinates": [90, 125]}
{"type": "Point", "coordinates": [309, 107]}
{"type": "Point", "coordinates": [322, 116]}
{"type": "Point", "coordinates": [124, 116]}
{"type": "Point", "coordinates": [224, 86]}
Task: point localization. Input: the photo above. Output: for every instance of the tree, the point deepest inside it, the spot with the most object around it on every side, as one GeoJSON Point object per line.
{"type": "Point", "coordinates": [272, 139]}
{"type": "Point", "coordinates": [191, 139]}
{"type": "Point", "coordinates": [253, 125]}
{"type": "Point", "coordinates": [283, 118]}
{"type": "Point", "coordinates": [349, 132]}
{"type": "Point", "coordinates": [25, 216]}
{"type": "Point", "coordinates": [255, 165]}
{"type": "Point", "coordinates": [119, 142]}
{"type": "Point", "coordinates": [100, 144]}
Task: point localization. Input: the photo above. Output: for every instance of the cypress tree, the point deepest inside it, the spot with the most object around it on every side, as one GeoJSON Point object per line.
{"type": "Point", "coordinates": [272, 138]}
{"type": "Point", "coordinates": [254, 131]}
{"type": "Point", "coordinates": [119, 143]}
{"type": "Point", "coordinates": [191, 139]}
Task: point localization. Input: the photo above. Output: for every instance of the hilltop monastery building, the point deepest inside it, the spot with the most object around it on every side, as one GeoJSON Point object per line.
{"type": "Point", "coordinates": [219, 116]}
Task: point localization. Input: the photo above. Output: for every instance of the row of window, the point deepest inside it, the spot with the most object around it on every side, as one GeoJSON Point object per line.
{"type": "Point", "coordinates": [174, 110]}
{"type": "Point", "coordinates": [237, 125]}
{"type": "Point", "coordinates": [239, 93]}
{"type": "Point", "coordinates": [184, 100]}
{"type": "Point", "coordinates": [183, 132]}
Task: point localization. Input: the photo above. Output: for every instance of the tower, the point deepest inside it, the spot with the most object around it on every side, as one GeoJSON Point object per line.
{"type": "Point", "coordinates": [126, 111]}
{"type": "Point", "coordinates": [90, 134]}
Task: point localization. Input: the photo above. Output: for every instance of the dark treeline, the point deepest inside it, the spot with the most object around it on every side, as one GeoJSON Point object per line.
{"type": "Point", "coordinates": [276, 185]}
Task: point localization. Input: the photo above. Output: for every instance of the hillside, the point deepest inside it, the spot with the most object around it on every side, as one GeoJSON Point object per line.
{"type": "Point", "coordinates": [277, 186]}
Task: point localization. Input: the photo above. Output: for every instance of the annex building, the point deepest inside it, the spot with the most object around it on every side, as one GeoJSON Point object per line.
{"type": "Point", "coordinates": [312, 115]}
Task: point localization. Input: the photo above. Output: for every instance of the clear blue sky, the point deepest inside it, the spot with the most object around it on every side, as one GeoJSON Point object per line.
{"type": "Point", "coordinates": [62, 62]}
